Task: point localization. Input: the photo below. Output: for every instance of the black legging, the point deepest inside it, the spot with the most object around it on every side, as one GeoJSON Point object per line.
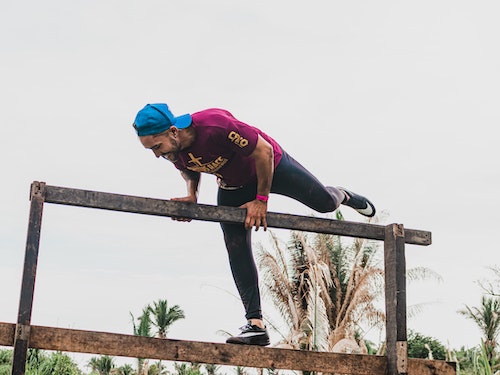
{"type": "Point", "coordinates": [290, 179]}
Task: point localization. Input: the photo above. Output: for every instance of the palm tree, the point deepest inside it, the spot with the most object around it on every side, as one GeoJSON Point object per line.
{"type": "Point", "coordinates": [103, 364]}
{"type": "Point", "coordinates": [487, 318]}
{"type": "Point", "coordinates": [358, 280]}
{"type": "Point", "coordinates": [142, 329]}
{"type": "Point", "coordinates": [187, 369]}
{"type": "Point", "coordinates": [144, 326]}
{"type": "Point", "coordinates": [324, 290]}
{"type": "Point", "coordinates": [163, 317]}
{"type": "Point", "coordinates": [211, 369]}
{"type": "Point", "coordinates": [291, 279]}
{"type": "Point", "coordinates": [57, 363]}
{"type": "Point", "coordinates": [126, 370]}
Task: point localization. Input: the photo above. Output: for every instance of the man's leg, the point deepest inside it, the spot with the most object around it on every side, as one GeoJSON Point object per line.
{"type": "Point", "coordinates": [239, 248]}
{"type": "Point", "coordinates": [243, 268]}
{"type": "Point", "coordinates": [293, 180]}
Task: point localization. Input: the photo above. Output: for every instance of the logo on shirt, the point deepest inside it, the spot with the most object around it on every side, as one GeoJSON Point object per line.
{"type": "Point", "coordinates": [212, 167]}
{"type": "Point", "coordinates": [237, 139]}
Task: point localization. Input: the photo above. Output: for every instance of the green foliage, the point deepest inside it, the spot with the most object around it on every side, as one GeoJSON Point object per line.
{"type": "Point", "coordinates": [5, 357]}
{"type": "Point", "coordinates": [39, 363]}
{"type": "Point", "coordinates": [163, 316]}
{"type": "Point", "coordinates": [103, 364]}
{"type": "Point", "coordinates": [371, 347]}
{"type": "Point", "coordinates": [143, 328]}
{"type": "Point", "coordinates": [187, 369]}
{"type": "Point", "coordinates": [35, 359]}
{"type": "Point", "coordinates": [475, 361]}
{"type": "Point", "coordinates": [420, 346]}
{"type": "Point", "coordinates": [5, 361]}
{"type": "Point", "coordinates": [159, 315]}
{"type": "Point", "coordinates": [465, 359]}
{"type": "Point", "coordinates": [212, 369]}
{"type": "Point", "coordinates": [195, 369]}
{"type": "Point", "coordinates": [486, 317]}
{"type": "Point", "coordinates": [238, 370]}
{"type": "Point", "coordinates": [126, 370]}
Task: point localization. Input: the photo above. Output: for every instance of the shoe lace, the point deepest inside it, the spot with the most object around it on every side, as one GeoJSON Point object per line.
{"type": "Point", "coordinates": [246, 327]}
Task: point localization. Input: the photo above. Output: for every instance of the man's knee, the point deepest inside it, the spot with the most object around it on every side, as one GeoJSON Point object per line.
{"type": "Point", "coordinates": [329, 206]}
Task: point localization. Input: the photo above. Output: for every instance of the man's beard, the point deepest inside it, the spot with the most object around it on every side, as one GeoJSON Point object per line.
{"type": "Point", "coordinates": [173, 155]}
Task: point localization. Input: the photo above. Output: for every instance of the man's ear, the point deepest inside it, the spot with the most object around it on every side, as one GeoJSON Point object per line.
{"type": "Point", "coordinates": [174, 130]}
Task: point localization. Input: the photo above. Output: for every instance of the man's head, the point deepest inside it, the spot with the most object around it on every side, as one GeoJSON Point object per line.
{"type": "Point", "coordinates": [157, 118]}
{"type": "Point", "coordinates": [158, 130]}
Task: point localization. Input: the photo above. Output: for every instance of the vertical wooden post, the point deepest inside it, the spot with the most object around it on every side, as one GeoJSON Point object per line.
{"type": "Point", "coordinates": [21, 339]}
{"type": "Point", "coordinates": [395, 299]}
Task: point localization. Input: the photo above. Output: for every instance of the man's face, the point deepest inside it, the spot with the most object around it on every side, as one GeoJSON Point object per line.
{"type": "Point", "coordinates": [164, 145]}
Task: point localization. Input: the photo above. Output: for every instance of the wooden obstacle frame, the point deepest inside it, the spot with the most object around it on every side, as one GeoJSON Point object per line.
{"type": "Point", "coordinates": [23, 335]}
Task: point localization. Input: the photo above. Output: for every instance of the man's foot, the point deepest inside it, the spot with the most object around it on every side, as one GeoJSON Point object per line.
{"type": "Point", "coordinates": [358, 202]}
{"type": "Point", "coordinates": [250, 335]}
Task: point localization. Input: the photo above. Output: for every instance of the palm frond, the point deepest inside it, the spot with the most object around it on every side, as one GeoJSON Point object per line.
{"type": "Point", "coordinates": [323, 288]}
{"type": "Point", "coordinates": [422, 273]}
{"type": "Point", "coordinates": [162, 317]}
{"type": "Point", "coordinates": [415, 309]}
{"type": "Point", "coordinates": [318, 319]}
{"type": "Point", "coordinates": [486, 317]}
{"type": "Point", "coordinates": [277, 287]}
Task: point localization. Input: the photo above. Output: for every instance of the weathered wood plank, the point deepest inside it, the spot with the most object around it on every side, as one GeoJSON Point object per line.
{"type": "Point", "coordinates": [395, 299]}
{"type": "Point", "coordinates": [21, 342]}
{"type": "Point", "coordinates": [160, 207]}
{"type": "Point", "coordinates": [70, 340]}
{"type": "Point", "coordinates": [7, 332]}
{"type": "Point", "coordinates": [431, 367]}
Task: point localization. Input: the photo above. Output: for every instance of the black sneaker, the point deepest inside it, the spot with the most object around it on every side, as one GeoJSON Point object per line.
{"type": "Point", "coordinates": [359, 203]}
{"type": "Point", "coordinates": [250, 335]}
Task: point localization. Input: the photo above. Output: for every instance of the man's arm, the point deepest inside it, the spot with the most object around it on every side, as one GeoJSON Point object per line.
{"type": "Point", "coordinates": [264, 166]}
{"type": "Point", "coordinates": [192, 183]}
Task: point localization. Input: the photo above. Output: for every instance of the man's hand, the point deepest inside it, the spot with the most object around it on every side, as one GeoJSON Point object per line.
{"type": "Point", "coordinates": [256, 214]}
{"type": "Point", "coordinates": [190, 199]}
{"type": "Point", "coordinates": [263, 156]}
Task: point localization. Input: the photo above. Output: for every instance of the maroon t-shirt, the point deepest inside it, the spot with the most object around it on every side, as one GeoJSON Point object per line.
{"type": "Point", "coordinates": [222, 148]}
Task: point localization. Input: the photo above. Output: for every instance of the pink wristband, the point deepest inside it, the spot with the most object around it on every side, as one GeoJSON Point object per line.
{"type": "Point", "coordinates": [263, 198]}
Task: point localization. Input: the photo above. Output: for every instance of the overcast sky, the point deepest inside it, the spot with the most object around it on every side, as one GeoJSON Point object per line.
{"type": "Point", "coordinates": [395, 100]}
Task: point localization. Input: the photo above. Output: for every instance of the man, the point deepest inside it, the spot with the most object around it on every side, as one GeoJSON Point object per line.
{"type": "Point", "coordinates": [249, 165]}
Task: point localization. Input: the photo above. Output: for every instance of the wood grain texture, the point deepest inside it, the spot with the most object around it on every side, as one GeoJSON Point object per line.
{"type": "Point", "coordinates": [71, 340]}
{"type": "Point", "coordinates": [161, 207]}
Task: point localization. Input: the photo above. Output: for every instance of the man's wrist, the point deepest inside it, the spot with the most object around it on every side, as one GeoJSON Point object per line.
{"type": "Point", "coordinates": [262, 198]}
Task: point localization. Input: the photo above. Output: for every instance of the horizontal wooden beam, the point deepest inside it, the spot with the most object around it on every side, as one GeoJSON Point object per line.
{"type": "Point", "coordinates": [161, 207]}
{"type": "Point", "coordinates": [71, 340]}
